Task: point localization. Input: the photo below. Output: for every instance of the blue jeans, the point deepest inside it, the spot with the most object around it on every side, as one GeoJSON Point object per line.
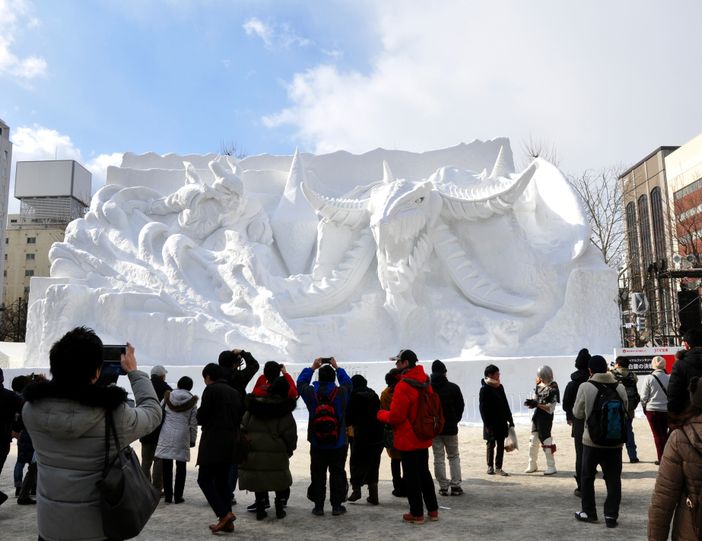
{"type": "Point", "coordinates": [630, 441]}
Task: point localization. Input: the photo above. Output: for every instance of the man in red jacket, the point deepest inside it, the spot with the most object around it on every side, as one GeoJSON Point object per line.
{"type": "Point", "coordinates": [415, 452]}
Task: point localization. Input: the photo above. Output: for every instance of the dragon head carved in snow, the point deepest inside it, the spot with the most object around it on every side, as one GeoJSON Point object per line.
{"type": "Point", "coordinates": [409, 220]}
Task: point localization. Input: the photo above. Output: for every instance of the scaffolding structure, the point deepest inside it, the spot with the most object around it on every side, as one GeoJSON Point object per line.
{"type": "Point", "coordinates": [51, 210]}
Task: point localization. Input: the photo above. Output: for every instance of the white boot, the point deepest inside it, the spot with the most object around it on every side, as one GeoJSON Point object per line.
{"type": "Point", "coordinates": [548, 448]}
{"type": "Point", "coordinates": [534, 445]}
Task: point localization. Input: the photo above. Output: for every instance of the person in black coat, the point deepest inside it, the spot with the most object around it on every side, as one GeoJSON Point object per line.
{"type": "Point", "coordinates": [446, 443]}
{"type": "Point", "coordinates": [219, 415]}
{"type": "Point", "coordinates": [10, 404]}
{"type": "Point", "coordinates": [366, 439]}
{"type": "Point", "coordinates": [497, 419]}
{"type": "Point", "coordinates": [581, 375]}
{"type": "Point", "coordinates": [684, 370]}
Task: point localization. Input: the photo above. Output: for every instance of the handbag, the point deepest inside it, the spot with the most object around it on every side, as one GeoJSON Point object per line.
{"type": "Point", "coordinates": [127, 497]}
{"type": "Point", "coordinates": [511, 443]}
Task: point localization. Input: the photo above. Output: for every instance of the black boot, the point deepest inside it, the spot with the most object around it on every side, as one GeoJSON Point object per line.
{"type": "Point", "coordinates": [373, 494]}
{"type": "Point", "coordinates": [279, 508]}
{"type": "Point", "coordinates": [355, 494]}
{"type": "Point", "coordinates": [261, 509]}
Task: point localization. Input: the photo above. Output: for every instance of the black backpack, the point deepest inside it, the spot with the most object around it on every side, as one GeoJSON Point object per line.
{"type": "Point", "coordinates": [632, 393]}
{"type": "Point", "coordinates": [606, 423]}
{"type": "Point", "coordinates": [325, 421]}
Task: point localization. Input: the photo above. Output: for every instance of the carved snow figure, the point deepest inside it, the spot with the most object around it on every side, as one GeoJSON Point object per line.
{"type": "Point", "coordinates": [492, 263]}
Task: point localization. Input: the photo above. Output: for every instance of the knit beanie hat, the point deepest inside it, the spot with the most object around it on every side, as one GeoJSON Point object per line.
{"type": "Point", "coordinates": [437, 367]}
{"type": "Point", "coordinates": [597, 364]}
{"type": "Point", "coordinates": [327, 373]}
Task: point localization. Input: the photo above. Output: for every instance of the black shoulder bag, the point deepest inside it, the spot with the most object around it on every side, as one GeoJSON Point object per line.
{"type": "Point", "coordinates": [127, 497]}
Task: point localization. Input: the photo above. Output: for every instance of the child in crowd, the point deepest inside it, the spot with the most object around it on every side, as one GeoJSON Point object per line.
{"type": "Point", "coordinates": [543, 402]}
{"type": "Point", "coordinates": [178, 435]}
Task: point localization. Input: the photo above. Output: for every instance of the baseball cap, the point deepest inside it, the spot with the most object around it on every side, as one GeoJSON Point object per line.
{"type": "Point", "coordinates": [405, 355]}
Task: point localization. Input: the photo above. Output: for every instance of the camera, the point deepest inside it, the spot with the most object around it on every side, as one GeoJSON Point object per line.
{"type": "Point", "coordinates": [326, 360]}
{"type": "Point", "coordinates": [112, 361]}
{"type": "Point", "coordinates": [530, 403]}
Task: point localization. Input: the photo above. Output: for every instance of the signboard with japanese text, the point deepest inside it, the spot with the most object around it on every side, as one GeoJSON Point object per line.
{"type": "Point", "coordinates": [640, 358]}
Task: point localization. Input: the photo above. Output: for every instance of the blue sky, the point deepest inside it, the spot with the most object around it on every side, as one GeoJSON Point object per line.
{"type": "Point", "coordinates": [603, 83]}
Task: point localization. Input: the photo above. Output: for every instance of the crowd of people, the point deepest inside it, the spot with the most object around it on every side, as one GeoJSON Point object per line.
{"type": "Point", "coordinates": [247, 439]}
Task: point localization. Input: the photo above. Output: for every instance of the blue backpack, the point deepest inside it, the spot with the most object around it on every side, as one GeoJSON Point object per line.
{"type": "Point", "coordinates": [606, 424]}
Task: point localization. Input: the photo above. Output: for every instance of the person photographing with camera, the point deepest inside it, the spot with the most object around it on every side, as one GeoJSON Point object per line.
{"type": "Point", "coordinates": [326, 431]}
{"type": "Point", "coordinates": [66, 419]}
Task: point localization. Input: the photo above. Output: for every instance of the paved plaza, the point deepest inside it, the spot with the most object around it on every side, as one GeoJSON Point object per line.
{"type": "Point", "coordinates": [520, 507]}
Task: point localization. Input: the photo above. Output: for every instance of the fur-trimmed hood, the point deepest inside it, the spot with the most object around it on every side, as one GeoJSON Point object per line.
{"type": "Point", "coordinates": [179, 400]}
{"type": "Point", "coordinates": [95, 396]}
{"type": "Point", "coordinates": [268, 407]}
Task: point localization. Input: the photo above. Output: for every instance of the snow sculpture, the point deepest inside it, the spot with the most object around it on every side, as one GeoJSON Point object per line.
{"type": "Point", "coordinates": [333, 254]}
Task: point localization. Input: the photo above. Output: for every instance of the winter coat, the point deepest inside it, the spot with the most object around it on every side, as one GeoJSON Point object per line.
{"type": "Point", "coordinates": [160, 386]}
{"type": "Point", "coordinates": [576, 379]}
{"type": "Point", "coordinates": [179, 428]}
{"type": "Point", "coordinates": [495, 411]}
{"type": "Point", "coordinates": [67, 426]}
{"type": "Point", "coordinates": [683, 371]}
{"type": "Point", "coordinates": [679, 475]}
{"type": "Point", "coordinates": [653, 396]}
{"type": "Point", "coordinates": [272, 431]}
{"type": "Point", "coordinates": [585, 402]}
{"type": "Point", "coordinates": [452, 403]}
{"type": "Point", "coordinates": [219, 415]}
{"type": "Point", "coordinates": [361, 414]}
{"type": "Point", "coordinates": [404, 408]}
{"type": "Point", "coordinates": [10, 406]}
{"type": "Point", "coordinates": [262, 387]}
{"type": "Point", "coordinates": [385, 402]}
{"type": "Point", "coordinates": [309, 391]}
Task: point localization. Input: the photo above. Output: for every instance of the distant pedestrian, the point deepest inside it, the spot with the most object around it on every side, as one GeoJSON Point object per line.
{"type": "Point", "coordinates": [326, 431]}
{"type": "Point", "coordinates": [654, 399]}
{"type": "Point", "coordinates": [608, 457]}
{"type": "Point", "coordinates": [627, 378]}
{"type": "Point", "coordinates": [580, 376]}
{"type": "Point", "coordinates": [543, 402]}
{"type": "Point", "coordinates": [415, 451]}
{"type": "Point", "coordinates": [10, 405]}
{"type": "Point", "coordinates": [687, 367]}
{"type": "Point", "coordinates": [367, 440]}
{"type": "Point", "coordinates": [219, 415]}
{"type": "Point", "coordinates": [398, 483]}
{"type": "Point", "coordinates": [676, 495]}
{"type": "Point", "coordinates": [149, 462]}
{"type": "Point", "coordinates": [497, 419]}
{"type": "Point", "coordinates": [178, 435]}
{"type": "Point", "coordinates": [445, 445]}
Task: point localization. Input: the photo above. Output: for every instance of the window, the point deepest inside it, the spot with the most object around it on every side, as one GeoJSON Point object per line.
{"type": "Point", "coordinates": [31, 240]}
{"type": "Point", "coordinates": [29, 257]}
{"type": "Point", "coordinates": [29, 273]}
{"type": "Point", "coordinates": [658, 223]}
{"type": "Point", "coordinates": [633, 245]}
{"type": "Point", "coordinates": [645, 231]}
{"type": "Point", "coordinates": [7, 240]}
{"type": "Point", "coordinates": [5, 257]}
{"type": "Point", "coordinates": [4, 273]}
{"type": "Point", "coordinates": [26, 290]}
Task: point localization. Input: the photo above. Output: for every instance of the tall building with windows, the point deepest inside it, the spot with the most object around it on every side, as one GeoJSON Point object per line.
{"type": "Point", "coordinates": [650, 247]}
{"type": "Point", "coordinates": [52, 193]}
{"type": "Point", "coordinates": [5, 165]}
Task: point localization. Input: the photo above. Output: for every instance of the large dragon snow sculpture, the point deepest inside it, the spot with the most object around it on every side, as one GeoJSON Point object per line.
{"type": "Point", "coordinates": [461, 261]}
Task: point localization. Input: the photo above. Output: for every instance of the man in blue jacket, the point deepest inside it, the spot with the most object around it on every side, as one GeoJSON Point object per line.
{"type": "Point", "coordinates": [326, 432]}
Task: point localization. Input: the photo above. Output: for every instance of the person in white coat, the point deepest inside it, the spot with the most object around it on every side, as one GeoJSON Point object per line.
{"type": "Point", "coordinates": [654, 399]}
{"type": "Point", "coordinates": [178, 435]}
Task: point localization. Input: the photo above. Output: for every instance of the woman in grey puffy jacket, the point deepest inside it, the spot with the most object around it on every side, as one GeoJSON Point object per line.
{"type": "Point", "coordinates": [178, 435]}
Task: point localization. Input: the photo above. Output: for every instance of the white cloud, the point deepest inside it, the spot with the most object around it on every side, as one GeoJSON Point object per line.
{"type": "Point", "coordinates": [99, 164]}
{"type": "Point", "coordinates": [274, 35]}
{"type": "Point", "coordinates": [453, 71]}
{"type": "Point", "coordinates": [16, 16]}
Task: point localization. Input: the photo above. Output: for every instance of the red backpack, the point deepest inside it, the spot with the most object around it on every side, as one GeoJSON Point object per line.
{"type": "Point", "coordinates": [325, 421]}
{"type": "Point", "coordinates": [429, 421]}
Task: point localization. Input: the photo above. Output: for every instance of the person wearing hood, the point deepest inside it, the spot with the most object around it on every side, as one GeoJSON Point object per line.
{"type": "Point", "coordinates": [326, 432]}
{"type": "Point", "coordinates": [366, 440]}
{"type": "Point", "coordinates": [654, 399]}
{"type": "Point", "coordinates": [577, 426]}
{"type": "Point", "coordinates": [676, 495]}
{"type": "Point", "coordinates": [445, 445]}
{"type": "Point", "coordinates": [497, 419]}
{"type": "Point", "coordinates": [272, 431]}
{"type": "Point", "coordinates": [415, 451]}
{"type": "Point", "coordinates": [178, 435]}
{"type": "Point", "coordinates": [543, 402]}
{"type": "Point", "coordinates": [66, 418]}
{"type": "Point", "coordinates": [152, 466]}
